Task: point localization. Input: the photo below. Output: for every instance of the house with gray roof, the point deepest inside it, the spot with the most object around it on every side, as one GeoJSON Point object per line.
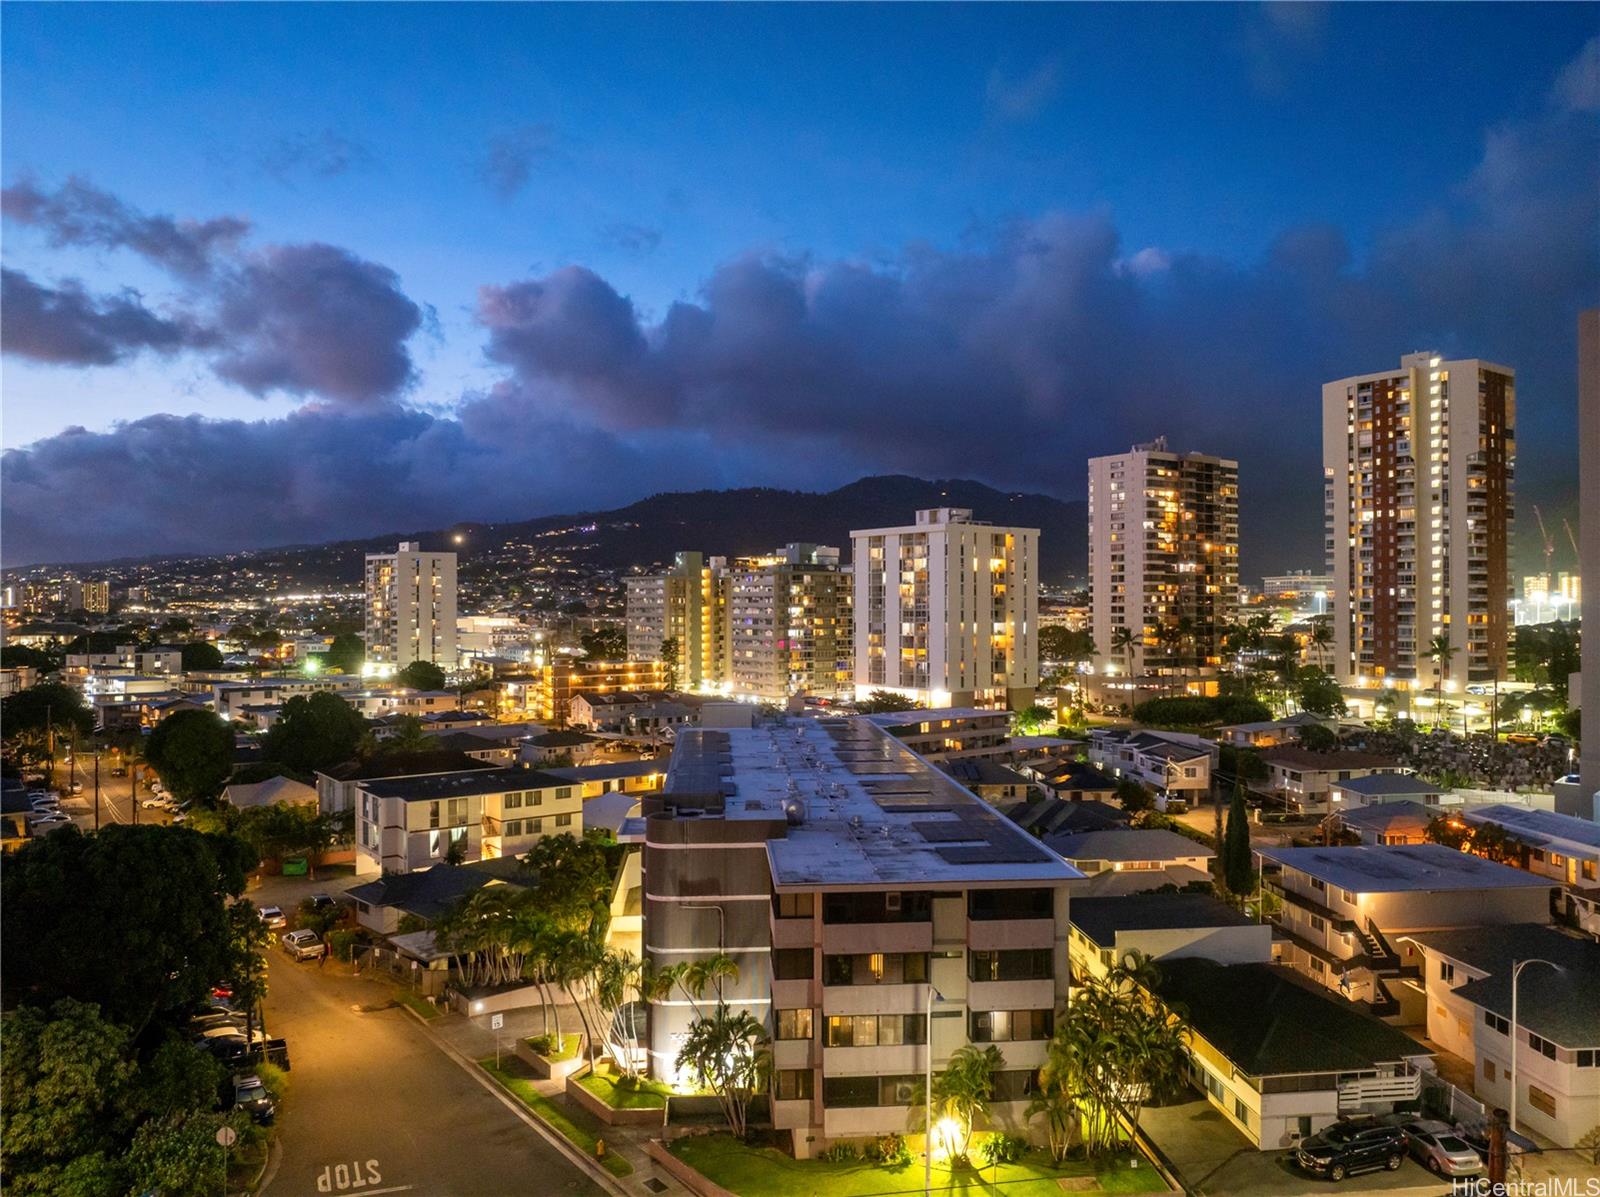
{"type": "Point", "coordinates": [1563, 848]}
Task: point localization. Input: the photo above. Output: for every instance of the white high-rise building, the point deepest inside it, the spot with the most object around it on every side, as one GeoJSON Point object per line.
{"type": "Point", "coordinates": [411, 607]}
{"type": "Point", "coordinates": [947, 611]}
{"type": "Point", "coordinates": [1163, 557]}
{"type": "Point", "coordinates": [1418, 464]}
{"type": "Point", "coordinates": [788, 613]}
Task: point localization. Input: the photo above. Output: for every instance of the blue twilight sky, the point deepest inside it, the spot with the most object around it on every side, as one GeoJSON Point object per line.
{"type": "Point", "coordinates": [370, 267]}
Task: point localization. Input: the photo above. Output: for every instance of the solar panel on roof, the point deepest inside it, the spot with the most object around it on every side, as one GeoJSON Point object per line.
{"type": "Point", "coordinates": [965, 854]}
{"type": "Point", "coordinates": [947, 831]}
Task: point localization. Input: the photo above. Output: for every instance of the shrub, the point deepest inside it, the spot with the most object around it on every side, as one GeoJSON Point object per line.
{"type": "Point", "coordinates": [840, 1153]}
{"type": "Point", "coordinates": [542, 1044]}
{"type": "Point", "coordinates": [274, 1079]}
{"type": "Point", "coordinates": [1003, 1149]}
{"type": "Point", "coordinates": [627, 1082]}
{"type": "Point", "coordinates": [341, 943]}
{"type": "Point", "coordinates": [889, 1150]}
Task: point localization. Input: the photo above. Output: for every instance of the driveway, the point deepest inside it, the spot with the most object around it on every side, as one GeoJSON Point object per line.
{"type": "Point", "coordinates": [1215, 1160]}
{"type": "Point", "coordinates": [375, 1106]}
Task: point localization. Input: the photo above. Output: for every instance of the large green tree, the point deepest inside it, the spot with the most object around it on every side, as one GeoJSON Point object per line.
{"type": "Point", "coordinates": [200, 654]}
{"type": "Point", "coordinates": [884, 701]}
{"type": "Point", "coordinates": [315, 731]}
{"type": "Point", "coordinates": [609, 643]}
{"type": "Point", "coordinates": [347, 653]}
{"type": "Point", "coordinates": [134, 919]}
{"type": "Point", "coordinates": [421, 675]}
{"type": "Point", "coordinates": [1318, 692]}
{"type": "Point", "coordinates": [46, 705]}
{"type": "Point", "coordinates": [193, 753]}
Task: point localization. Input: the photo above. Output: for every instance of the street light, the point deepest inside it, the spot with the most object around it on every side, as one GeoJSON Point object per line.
{"type": "Point", "coordinates": [1516, 974]}
{"type": "Point", "coordinates": [927, 1093]}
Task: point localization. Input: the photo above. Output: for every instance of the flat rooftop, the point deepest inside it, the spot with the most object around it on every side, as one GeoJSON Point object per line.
{"type": "Point", "coordinates": [466, 783]}
{"type": "Point", "coordinates": [1130, 843]}
{"type": "Point", "coordinates": [1101, 918]}
{"type": "Point", "coordinates": [1389, 785]}
{"type": "Point", "coordinates": [1538, 827]}
{"type": "Point", "coordinates": [935, 715]}
{"type": "Point", "coordinates": [863, 809]}
{"type": "Point", "coordinates": [1402, 868]}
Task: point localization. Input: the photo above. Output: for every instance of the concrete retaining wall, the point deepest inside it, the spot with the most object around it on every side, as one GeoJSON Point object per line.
{"type": "Point", "coordinates": [682, 1173]}
{"type": "Point", "coordinates": [610, 1115]}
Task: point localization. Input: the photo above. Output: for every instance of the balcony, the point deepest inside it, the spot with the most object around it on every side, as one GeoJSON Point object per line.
{"type": "Point", "coordinates": [1360, 1092]}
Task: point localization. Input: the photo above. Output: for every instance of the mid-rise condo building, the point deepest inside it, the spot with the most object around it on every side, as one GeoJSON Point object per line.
{"type": "Point", "coordinates": [411, 607]}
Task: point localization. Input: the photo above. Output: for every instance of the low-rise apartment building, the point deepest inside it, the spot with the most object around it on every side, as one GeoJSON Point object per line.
{"type": "Point", "coordinates": [229, 699]}
{"type": "Point", "coordinates": [1562, 848]}
{"type": "Point", "coordinates": [1134, 860]}
{"type": "Point", "coordinates": [1271, 733]}
{"type": "Point", "coordinates": [1304, 779]}
{"type": "Point", "coordinates": [949, 733]}
{"type": "Point", "coordinates": [1105, 931]}
{"type": "Point", "coordinates": [1175, 765]}
{"type": "Point", "coordinates": [1467, 983]}
{"type": "Point", "coordinates": [1282, 1059]}
{"type": "Point", "coordinates": [1343, 907]}
{"type": "Point", "coordinates": [545, 694]}
{"type": "Point", "coordinates": [1384, 822]}
{"type": "Point", "coordinates": [867, 898]}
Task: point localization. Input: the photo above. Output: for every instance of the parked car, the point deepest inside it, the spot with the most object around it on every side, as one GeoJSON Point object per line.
{"type": "Point", "coordinates": [320, 901]}
{"type": "Point", "coordinates": [45, 804]}
{"type": "Point", "coordinates": [229, 1021]}
{"type": "Point", "coordinates": [233, 1049]}
{"type": "Point", "coordinates": [1440, 1148]}
{"type": "Point", "coordinates": [77, 787]}
{"type": "Point", "coordinates": [1350, 1146]}
{"type": "Point", "coordinates": [151, 803]}
{"type": "Point", "coordinates": [273, 917]}
{"type": "Point", "coordinates": [251, 1096]}
{"type": "Point", "coordinates": [303, 945]}
{"type": "Point", "coordinates": [47, 821]}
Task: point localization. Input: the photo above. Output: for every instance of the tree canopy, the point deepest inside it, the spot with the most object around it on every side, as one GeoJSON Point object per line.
{"type": "Point", "coordinates": [1191, 711]}
{"type": "Point", "coordinates": [421, 675]}
{"type": "Point", "coordinates": [200, 654]}
{"type": "Point", "coordinates": [133, 918]}
{"type": "Point", "coordinates": [609, 643]}
{"type": "Point", "coordinates": [881, 701]}
{"type": "Point", "coordinates": [315, 731]}
{"type": "Point", "coordinates": [347, 653]}
{"type": "Point", "coordinates": [193, 753]}
{"type": "Point", "coordinates": [1318, 692]}
{"type": "Point", "coordinates": [47, 704]}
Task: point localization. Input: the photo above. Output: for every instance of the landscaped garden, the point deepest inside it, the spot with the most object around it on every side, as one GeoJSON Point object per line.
{"type": "Point", "coordinates": [626, 1093]}
{"type": "Point", "coordinates": [548, 1047]}
{"type": "Point", "coordinates": [766, 1172]}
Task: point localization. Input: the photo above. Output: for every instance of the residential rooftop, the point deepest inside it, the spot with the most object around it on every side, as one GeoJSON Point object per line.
{"type": "Point", "coordinates": [471, 783]}
{"type": "Point", "coordinates": [1129, 843]}
{"type": "Point", "coordinates": [1402, 868]}
{"type": "Point", "coordinates": [1327, 762]}
{"type": "Point", "coordinates": [904, 719]}
{"type": "Point", "coordinates": [1389, 785]}
{"type": "Point", "coordinates": [859, 808]}
{"type": "Point", "coordinates": [1102, 918]}
{"type": "Point", "coordinates": [1538, 827]}
{"type": "Point", "coordinates": [1387, 816]}
{"type": "Point", "coordinates": [1561, 1004]}
{"type": "Point", "coordinates": [1269, 1021]}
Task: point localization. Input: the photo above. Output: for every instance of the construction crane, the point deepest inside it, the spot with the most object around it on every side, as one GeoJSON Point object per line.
{"type": "Point", "coordinates": [1549, 548]}
{"type": "Point", "coordinates": [1573, 541]}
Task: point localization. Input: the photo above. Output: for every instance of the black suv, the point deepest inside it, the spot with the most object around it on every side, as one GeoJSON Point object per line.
{"type": "Point", "coordinates": [1355, 1145]}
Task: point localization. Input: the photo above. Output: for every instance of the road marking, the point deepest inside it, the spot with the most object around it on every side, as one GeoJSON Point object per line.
{"type": "Point", "coordinates": [375, 1192]}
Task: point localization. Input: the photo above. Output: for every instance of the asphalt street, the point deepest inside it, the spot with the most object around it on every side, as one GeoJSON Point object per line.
{"type": "Point", "coordinates": [376, 1107]}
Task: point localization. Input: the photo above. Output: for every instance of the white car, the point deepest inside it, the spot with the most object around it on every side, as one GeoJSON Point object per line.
{"type": "Point", "coordinates": [303, 945]}
{"type": "Point", "coordinates": [272, 916]}
{"type": "Point", "coordinates": [151, 803]}
{"type": "Point", "coordinates": [48, 822]}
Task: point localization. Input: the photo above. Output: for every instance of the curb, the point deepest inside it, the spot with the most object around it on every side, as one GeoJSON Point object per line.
{"type": "Point", "coordinates": [558, 1141]}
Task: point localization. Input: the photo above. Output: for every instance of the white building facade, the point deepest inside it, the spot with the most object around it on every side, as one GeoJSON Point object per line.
{"type": "Point", "coordinates": [411, 607]}
{"type": "Point", "coordinates": [947, 610]}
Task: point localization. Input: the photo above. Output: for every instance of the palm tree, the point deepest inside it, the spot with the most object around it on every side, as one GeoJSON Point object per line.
{"type": "Point", "coordinates": [1322, 639]}
{"type": "Point", "coordinates": [728, 1054]}
{"type": "Point", "coordinates": [1060, 1113]}
{"type": "Point", "coordinates": [1440, 651]}
{"type": "Point", "coordinates": [960, 1096]}
{"type": "Point", "coordinates": [1123, 641]}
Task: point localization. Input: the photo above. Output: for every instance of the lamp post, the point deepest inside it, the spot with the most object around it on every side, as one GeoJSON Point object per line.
{"type": "Point", "coordinates": [927, 1092]}
{"type": "Point", "coordinates": [1516, 975]}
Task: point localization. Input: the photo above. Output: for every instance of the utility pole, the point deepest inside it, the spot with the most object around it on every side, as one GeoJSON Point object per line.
{"type": "Point", "coordinates": [133, 791]}
{"type": "Point", "coordinates": [97, 789]}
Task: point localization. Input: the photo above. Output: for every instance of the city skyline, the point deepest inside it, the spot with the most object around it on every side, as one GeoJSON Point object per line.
{"type": "Point", "coordinates": [993, 257]}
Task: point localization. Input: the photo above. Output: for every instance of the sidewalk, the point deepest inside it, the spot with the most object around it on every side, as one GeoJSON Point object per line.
{"type": "Point", "coordinates": [472, 1038]}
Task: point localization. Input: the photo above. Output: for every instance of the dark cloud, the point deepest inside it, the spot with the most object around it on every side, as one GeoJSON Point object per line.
{"type": "Point", "coordinates": [315, 319]}
{"type": "Point", "coordinates": [510, 157]}
{"type": "Point", "coordinates": [66, 326]}
{"type": "Point", "coordinates": [81, 214]}
{"type": "Point", "coordinates": [311, 319]}
{"type": "Point", "coordinates": [1010, 361]}
{"type": "Point", "coordinates": [324, 155]}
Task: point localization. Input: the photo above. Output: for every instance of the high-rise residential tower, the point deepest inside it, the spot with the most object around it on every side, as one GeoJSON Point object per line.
{"type": "Point", "coordinates": [1418, 465]}
{"type": "Point", "coordinates": [1163, 556]}
{"type": "Point", "coordinates": [788, 615]}
{"type": "Point", "coordinates": [947, 611]}
{"type": "Point", "coordinates": [687, 606]}
{"type": "Point", "coordinates": [411, 607]}
{"type": "Point", "coordinates": [1589, 565]}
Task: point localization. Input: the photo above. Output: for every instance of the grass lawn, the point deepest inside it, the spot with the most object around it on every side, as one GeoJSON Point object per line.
{"type": "Point", "coordinates": [567, 1051]}
{"type": "Point", "coordinates": [417, 1003]}
{"type": "Point", "coordinates": [577, 1129]}
{"type": "Point", "coordinates": [765, 1172]}
{"type": "Point", "coordinates": [650, 1095]}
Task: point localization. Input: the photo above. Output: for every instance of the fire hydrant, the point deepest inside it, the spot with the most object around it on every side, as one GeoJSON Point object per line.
{"type": "Point", "coordinates": [599, 1149]}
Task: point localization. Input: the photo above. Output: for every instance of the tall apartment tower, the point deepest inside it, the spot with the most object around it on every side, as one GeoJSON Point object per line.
{"type": "Point", "coordinates": [1163, 556]}
{"type": "Point", "coordinates": [1417, 470]}
{"type": "Point", "coordinates": [688, 604]}
{"type": "Point", "coordinates": [946, 611]}
{"type": "Point", "coordinates": [788, 615]}
{"type": "Point", "coordinates": [411, 607]}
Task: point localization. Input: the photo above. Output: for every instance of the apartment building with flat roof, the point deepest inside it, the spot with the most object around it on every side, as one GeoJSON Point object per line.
{"type": "Point", "coordinates": [1342, 907]}
{"type": "Point", "coordinates": [946, 611]}
{"type": "Point", "coordinates": [1418, 466]}
{"type": "Point", "coordinates": [789, 625]}
{"type": "Point", "coordinates": [683, 611]}
{"type": "Point", "coordinates": [411, 607]}
{"type": "Point", "coordinates": [867, 897]}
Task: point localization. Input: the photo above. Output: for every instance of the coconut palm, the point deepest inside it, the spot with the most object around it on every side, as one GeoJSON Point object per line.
{"type": "Point", "coordinates": [960, 1097]}
{"type": "Point", "coordinates": [1440, 651]}
{"type": "Point", "coordinates": [1124, 641]}
{"type": "Point", "coordinates": [1060, 1114]}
